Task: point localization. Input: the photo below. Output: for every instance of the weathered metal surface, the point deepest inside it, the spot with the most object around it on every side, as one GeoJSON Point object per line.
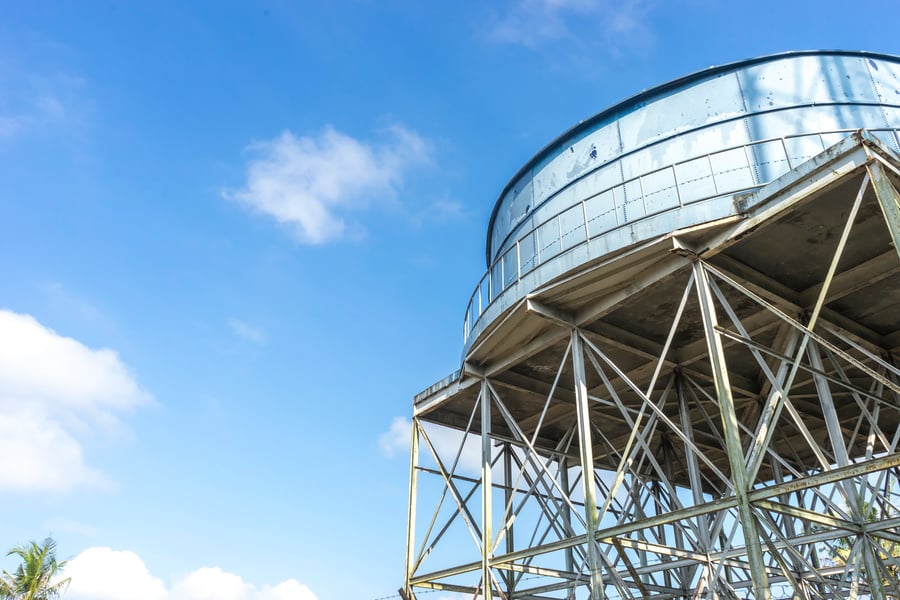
{"type": "Point", "coordinates": [674, 156]}
{"type": "Point", "coordinates": [741, 432]}
{"type": "Point", "coordinates": [701, 403]}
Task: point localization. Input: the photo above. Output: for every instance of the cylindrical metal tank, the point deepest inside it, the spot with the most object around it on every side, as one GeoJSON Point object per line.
{"type": "Point", "coordinates": [675, 156]}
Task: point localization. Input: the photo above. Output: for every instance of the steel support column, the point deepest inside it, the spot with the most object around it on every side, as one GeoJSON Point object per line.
{"type": "Point", "coordinates": [411, 509]}
{"type": "Point", "coordinates": [566, 516]}
{"type": "Point", "coordinates": [733, 446]}
{"type": "Point", "coordinates": [507, 501]}
{"type": "Point", "coordinates": [694, 475]}
{"type": "Point", "coordinates": [586, 451]}
{"type": "Point", "coordinates": [487, 535]}
{"type": "Point", "coordinates": [720, 461]}
{"type": "Point", "coordinates": [852, 494]}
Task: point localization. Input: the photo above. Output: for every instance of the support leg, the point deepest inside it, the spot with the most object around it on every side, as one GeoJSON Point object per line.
{"type": "Point", "coordinates": [587, 465]}
{"type": "Point", "coordinates": [759, 576]}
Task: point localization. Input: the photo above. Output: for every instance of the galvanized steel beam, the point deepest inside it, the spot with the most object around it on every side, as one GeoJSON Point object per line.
{"type": "Point", "coordinates": [585, 450]}
{"type": "Point", "coordinates": [807, 430]}
{"type": "Point", "coordinates": [733, 444]}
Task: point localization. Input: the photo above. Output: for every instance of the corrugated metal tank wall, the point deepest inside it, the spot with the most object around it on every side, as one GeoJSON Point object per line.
{"type": "Point", "coordinates": [683, 147]}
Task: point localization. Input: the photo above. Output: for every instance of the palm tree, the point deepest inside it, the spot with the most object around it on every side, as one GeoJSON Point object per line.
{"type": "Point", "coordinates": [886, 550]}
{"type": "Point", "coordinates": [34, 578]}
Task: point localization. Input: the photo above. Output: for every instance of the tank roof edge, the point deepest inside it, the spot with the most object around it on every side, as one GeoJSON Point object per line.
{"type": "Point", "coordinates": [656, 91]}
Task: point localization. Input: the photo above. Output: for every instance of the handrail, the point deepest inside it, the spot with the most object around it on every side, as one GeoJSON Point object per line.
{"type": "Point", "coordinates": [500, 272]}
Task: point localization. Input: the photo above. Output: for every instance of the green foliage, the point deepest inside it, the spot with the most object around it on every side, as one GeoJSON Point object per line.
{"type": "Point", "coordinates": [34, 578]}
{"type": "Point", "coordinates": [884, 549]}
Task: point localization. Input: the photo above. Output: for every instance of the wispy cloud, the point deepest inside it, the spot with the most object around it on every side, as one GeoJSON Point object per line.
{"type": "Point", "coordinates": [448, 210]}
{"type": "Point", "coordinates": [396, 440]}
{"type": "Point", "coordinates": [54, 394]}
{"type": "Point", "coordinates": [440, 211]}
{"type": "Point", "coordinates": [102, 573]}
{"type": "Point", "coordinates": [11, 125]}
{"type": "Point", "coordinates": [318, 184]}
{"type": "Point", "coordinates": [33, 102]}
{"type": "Point", "coordinates": [70, 526]}
{"type": "Point", "coordinates": [63, 300]}
{"type": "Point", "coordinates": [246, 331]}
{"type": "Point", "coordinates": [532, 23]}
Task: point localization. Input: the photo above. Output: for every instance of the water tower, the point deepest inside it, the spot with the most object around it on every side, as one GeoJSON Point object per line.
{"type": "Point", "coordinates": [679, 373]}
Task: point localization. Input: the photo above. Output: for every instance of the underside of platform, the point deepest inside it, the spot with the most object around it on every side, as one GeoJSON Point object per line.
{"type": "Point", "coordinates": [714, 413]}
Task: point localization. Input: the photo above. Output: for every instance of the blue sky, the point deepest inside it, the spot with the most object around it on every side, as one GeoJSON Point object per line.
{"type": "Point", "coordinates": [239, 237]}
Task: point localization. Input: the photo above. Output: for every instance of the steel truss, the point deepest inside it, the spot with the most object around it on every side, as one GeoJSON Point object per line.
{"type": "Point", "coordinates": [748, 448]}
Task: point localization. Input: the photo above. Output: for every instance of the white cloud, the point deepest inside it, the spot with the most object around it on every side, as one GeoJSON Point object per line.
{"type": "Point", "coordinates": [65, 301]}
{"type": "Point", "coordinates": [54, 394]}
{"type": "Point", "coordinates": [37, 454]}
{"type": "Point", "coordinates": [11, 125]}
{"type": "Point", "coordinates": [395, 441]}
{"type": "Point", "coordinates": [288, 590]}
{"type": "Point", "coordinates": [106, 574]}
{"type": "Point", "coordinates": [447, 210]}
{"type": "Point", "coordinates": [69, 526]}
{"type": "Point", "coordinates": [35, 102]}
{"type": "Point", "coordinates": [41, 111]}
{"type": "Point", "coordinates": [440, 211]}
{"type": "Point", "coordinates": [316, 184]}
{"type": "Point", "coordinates": [246, 331]}
{"type": "Point", "coordinates": [211, 583]}
{"type": "Point", "coordinates": [531, 23]}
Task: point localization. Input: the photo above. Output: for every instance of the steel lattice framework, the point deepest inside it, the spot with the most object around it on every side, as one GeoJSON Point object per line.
{"type": "Point", "coordinates": [711, 414]}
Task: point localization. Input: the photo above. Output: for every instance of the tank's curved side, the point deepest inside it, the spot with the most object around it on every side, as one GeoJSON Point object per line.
{"type": "Point", "coordinates": [673, 157]}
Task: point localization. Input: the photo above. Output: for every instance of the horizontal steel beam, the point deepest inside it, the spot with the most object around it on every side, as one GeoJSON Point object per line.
{"type": "Point", "coordinates": [605, 535]}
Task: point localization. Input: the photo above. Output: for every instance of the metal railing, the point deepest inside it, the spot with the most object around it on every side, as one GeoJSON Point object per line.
{"type": "Point", "coordinates": [712, 175]}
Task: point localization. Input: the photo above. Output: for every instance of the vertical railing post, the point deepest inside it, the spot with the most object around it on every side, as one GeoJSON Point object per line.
{"type": "Point", "coordinates": [518, 262]}
{"type": "Point", "coordinates": [587, 234]}
{"type": "Point", "coordinates": [749, 165]}
{"type": "Point", "coordinates": [640, 180]}
{"type": "Point", "coordinates": [712, 174]}
{"type": "Point", "coordinates": [787, 155]}
{"type": "Point", "coordinates": [490, 278]}
{"type": "Point", "coordinates": [731, 428]}
{"type": "Point", "coordinates": [677, 185]}
{"type": "Point", "coordinates": [586, 452]}
{"type": "Point", "coordinates": [559, 233]}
